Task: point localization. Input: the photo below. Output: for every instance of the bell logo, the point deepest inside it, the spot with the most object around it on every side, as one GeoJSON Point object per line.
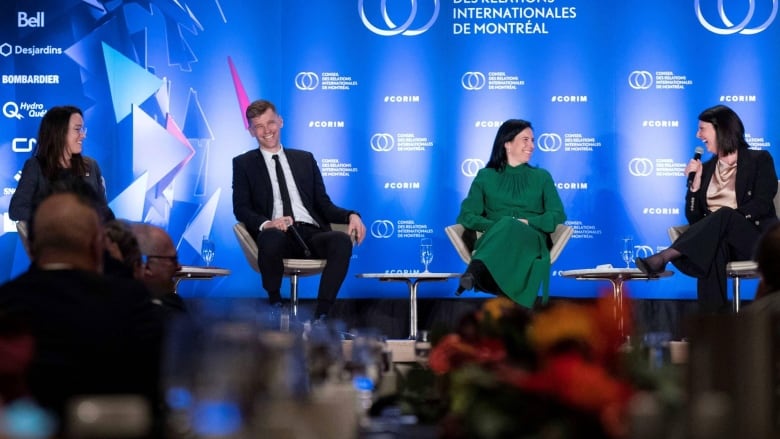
{"type": "Point", "coordinates": [24, 20]}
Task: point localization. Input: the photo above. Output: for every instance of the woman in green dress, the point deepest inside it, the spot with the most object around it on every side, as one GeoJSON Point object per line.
{"type": "Point", "coordinates": [516, 206]}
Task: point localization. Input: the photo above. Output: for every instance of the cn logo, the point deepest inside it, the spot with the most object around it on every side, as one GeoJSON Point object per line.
{"type": "Point", "coordinates": [640, 79]}
{"type": "Point", "coordinates": [306, 81]}
{"type": "Point", "coordinates": [382, 142]}
{"type": "Point", "coordinates": [473, 80]}
{"type": "Point", "coordinates": [549, 142]}
{"type": "Point", "coordinates": [22, 144]}
{"type": "Point", "coordinates": [470, 167]}
{"type": "Point", "coordinates": [397, 20]}
{"type": "Point", "coordinates": [382, 229]}
{"type": "Point", "coordinates": [723, 25]}
{"type": "Point", "coordinates": [640, 167]}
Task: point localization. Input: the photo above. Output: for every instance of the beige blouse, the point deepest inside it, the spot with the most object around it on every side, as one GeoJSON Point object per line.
{"type": "Point", "coordinates": [721, 191]}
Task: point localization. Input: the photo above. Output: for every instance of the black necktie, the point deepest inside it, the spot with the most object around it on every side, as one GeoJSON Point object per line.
{"type": "Point", "coordinates": [286, 203]}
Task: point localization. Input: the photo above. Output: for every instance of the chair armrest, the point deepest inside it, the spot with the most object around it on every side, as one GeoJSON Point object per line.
{"type": "Point", "coordinates": [674, 232]}
{"type": "Point", "coordinates": [560, 236]}
{"type": "Point", "coordinates": [248, 245]}
{"type": "Point", "coordinates": [455, 234]}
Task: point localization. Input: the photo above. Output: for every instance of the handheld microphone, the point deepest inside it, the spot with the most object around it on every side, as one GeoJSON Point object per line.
{"type": "Point", "coordinates": [696, 156]}
{"type": "Point", "coordinates": [299, 240]}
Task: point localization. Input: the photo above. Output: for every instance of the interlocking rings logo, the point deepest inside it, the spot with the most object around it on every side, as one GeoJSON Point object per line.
{"type": "Point", "coordinates": [549, 142]}
{"type": "Point", "coordinates": [382, 229]}
{"type": "Point", "coordinates": [640, 167]}
{"type": "Point", "coordinates": [470, 167]}
{"type": "Point", "coordinates": [643, 251]}
{"type": "Point", "coordinates": [640, 79]}
{"type": "Point", "coordinates": [382, 142]}
{"type": "Point", "coordinates": [306, 81]}
{"type": "Point", "coordinates": [392, 29]}
{"type": "Point", "coordinates": [473, 80]}
{"type": "Point", "coordinates": [742, 27]}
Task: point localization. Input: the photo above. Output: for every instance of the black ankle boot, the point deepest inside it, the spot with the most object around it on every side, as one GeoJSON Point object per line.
{"type": "Point", "coordinates": [466, 283]}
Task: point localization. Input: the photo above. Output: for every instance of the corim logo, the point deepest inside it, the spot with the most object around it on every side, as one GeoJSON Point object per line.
{"type": "Point", "coordinates": [640, 167]}
{"type": "Point", "coordinates": [724, 26]}
{"type": "Point", "coordinates": [307, 81]}
{"type": "Point", "coordinates": [549, 142]}
{"type": "Point", "coordinates": [640, 79]}
{"type": "Point", "coordinates": [470, 167]}
{"type": "Point", "coordinates": [382, 229]}
{"type": "Point", "coordinates": [406, 17]}
{"type": "Point", "coordinates": [473, 80]}
{"type": "Point", "coordinates": [382, 142]}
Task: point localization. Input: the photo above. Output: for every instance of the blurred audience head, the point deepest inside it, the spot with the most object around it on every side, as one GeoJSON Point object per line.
{"type": "Point", "coordinates": [159, 256]}
{"type": "Point", "coordinates": [768, 259]}
{"type": "Point", "coordinates": [66, 230]}
{"type": "Point", "coordinates": [122, 245]}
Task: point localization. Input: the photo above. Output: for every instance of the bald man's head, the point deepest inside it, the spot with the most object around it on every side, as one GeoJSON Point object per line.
{"type": "Point", "coordinates": [161, 259]}
{"type": "Point", "coordinates": [66, 229]}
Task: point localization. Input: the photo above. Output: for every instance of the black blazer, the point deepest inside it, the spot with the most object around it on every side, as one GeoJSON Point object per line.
{"type": "Point", "coordinates": [94, 334]}
{"type": "Point", "coordinates": [33, 187]}
{"type": "Point", "coordinates": [755, 188]}
{"type": "Point", "coordinates": [253, 201]}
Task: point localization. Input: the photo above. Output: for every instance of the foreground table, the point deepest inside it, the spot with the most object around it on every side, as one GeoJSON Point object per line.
{"type": "Point", "coordinates": [411, 280]}
{"type": "Point", "coordinates": [191, 272]}
{"type": "Point", "coordinates": [616, 277]}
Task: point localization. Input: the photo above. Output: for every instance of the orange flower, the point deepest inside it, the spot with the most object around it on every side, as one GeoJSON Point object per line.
{"type": "Point", "coordinates": [564, 321]}
{"type": "Point", "coordinates": [452, 352]}
{"type": "Point", "coordinates": [497, 307]}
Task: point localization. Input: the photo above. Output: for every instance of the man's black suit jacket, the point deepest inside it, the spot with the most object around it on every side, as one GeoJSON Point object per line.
{"type": "Point", "coordinates": [253, 201]}
{"type": "Point", "coordinates": [94, 334]}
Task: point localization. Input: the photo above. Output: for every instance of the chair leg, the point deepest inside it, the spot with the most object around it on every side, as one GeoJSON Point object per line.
{"type": "Point", "coordinates": [735, 300]}
{"type": "Point", "coordinates": [294, 294]}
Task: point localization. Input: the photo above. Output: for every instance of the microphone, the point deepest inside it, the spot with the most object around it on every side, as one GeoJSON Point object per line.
{"type": "Point", "coordinates": [696, 156]}
{"type": "Point", "coordinates": [299, 240]}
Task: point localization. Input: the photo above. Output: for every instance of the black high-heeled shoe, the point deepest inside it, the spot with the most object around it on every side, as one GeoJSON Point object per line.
{"type": "Point", "coordinates": [466, 282]}
{"type": "Point", "coordinates": [647, 268]}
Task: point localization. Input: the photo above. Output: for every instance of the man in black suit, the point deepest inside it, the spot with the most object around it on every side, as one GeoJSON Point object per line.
{"type": "Point", "coordinates": [93, 333]}
{"type": "Point", "coordinates": [287, 223]}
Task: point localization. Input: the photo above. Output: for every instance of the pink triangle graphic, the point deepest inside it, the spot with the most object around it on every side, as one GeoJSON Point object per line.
{"type": "Point", "coordinates": [243, 99]}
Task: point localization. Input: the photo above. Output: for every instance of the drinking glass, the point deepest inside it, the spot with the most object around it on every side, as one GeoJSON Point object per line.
{"type": "Point", "coordinates": [422, 347]}
{"type": "Point", "coordinates": [426, 252]}
{"type": "Point", "coordinates": [207, 250]}
{"type": "Point", "coordinates": [628, 251]}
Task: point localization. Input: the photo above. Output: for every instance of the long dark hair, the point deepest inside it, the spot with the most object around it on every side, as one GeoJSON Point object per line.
{"type": "Point", "coordinates": [52, 141]}
{"type": "Point", "coordinates": [506, 132]}
{"type": "Point", "coordinates": [728, 127]}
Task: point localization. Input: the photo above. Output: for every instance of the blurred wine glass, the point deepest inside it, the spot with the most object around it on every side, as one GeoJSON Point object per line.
{"type": "Point", "coordinates": [628, 250]}
{"type": "Point", "coordinates": [207, 251]}
{"type": "Point", "coordinates": [426, 252]}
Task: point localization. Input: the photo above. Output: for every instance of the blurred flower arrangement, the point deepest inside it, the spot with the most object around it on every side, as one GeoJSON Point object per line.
{"type": "Point", "coordinates": [563, 371]}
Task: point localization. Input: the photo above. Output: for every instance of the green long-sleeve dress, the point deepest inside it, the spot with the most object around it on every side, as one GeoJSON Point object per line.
{"type": "Point", "coordinates": [516, 254]}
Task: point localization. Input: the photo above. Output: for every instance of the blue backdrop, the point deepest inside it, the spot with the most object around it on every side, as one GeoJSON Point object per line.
{"type": "Point", "coordinates": [399, 101]}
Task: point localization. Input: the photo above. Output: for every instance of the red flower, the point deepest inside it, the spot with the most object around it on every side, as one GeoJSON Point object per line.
{"type": "Point", "coordinates": [576, 382]}
{"type": "Point", "coordinates": [452, 352]}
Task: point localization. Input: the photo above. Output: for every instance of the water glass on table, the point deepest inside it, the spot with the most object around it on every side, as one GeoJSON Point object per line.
{"type": "Point", "coordinates": [207, 251]}
{"type": "Point", "coordinates": [426, 252]}
{"type": "Point", "coordinates": [422, 347]}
